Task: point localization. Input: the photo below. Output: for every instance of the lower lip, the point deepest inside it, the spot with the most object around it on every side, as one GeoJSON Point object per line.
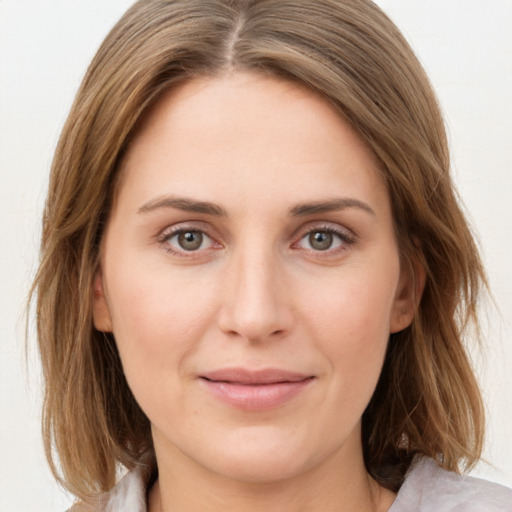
{"type": "Point", "coordinates": [256, 397]}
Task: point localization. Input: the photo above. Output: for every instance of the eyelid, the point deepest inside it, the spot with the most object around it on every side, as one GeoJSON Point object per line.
{"type": "Point", "coordinates": [169, 232]}
{"type": "Point", "coordinates": [323, 225]}
{"type": "Point", "coordinates": [346, 236]}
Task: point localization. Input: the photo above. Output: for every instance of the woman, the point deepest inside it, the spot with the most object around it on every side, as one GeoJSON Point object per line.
{"type": "Point", "coordinates": [255, 273]}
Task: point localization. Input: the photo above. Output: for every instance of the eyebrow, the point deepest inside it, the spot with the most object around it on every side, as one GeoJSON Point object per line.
{"type": "Point", "coordinates": [205, 207]}
{"type": "Point", "coordinates": [182, 203]}
{"type": "Point", "coordinates": [329, 206]}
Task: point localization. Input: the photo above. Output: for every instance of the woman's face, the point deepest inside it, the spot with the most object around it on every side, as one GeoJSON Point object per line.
{"type": "Point", "coordinates": [251, 277]}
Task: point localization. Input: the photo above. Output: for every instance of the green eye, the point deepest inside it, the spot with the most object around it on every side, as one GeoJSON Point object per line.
{"type": "Point", "coordinates": [325, 239]}
{"type": "Point", "coordinates": [320, 240]}
{"type": "Point", "coordinates": [190, 240]}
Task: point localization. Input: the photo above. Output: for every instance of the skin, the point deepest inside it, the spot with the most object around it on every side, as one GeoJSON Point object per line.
{"type": "Point", "coordinates": [260, 291]}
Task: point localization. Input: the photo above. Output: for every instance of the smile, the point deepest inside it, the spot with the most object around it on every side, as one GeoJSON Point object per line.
{"type": "Point", "coordinates": [255, 390]}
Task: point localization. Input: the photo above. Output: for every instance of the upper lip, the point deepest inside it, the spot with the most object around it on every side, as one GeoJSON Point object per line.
{"type": "Point", "coordinates": [246, 376]}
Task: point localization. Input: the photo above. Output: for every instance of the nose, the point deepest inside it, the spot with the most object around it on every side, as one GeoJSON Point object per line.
{"type": "Point", "coordinates": [256, 305]}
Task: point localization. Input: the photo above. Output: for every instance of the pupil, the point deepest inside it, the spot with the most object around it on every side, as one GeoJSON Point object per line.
{"type": "Point", "coordinates": [320, 240]}
{"type": "Point", "coordinates": [190, 240]}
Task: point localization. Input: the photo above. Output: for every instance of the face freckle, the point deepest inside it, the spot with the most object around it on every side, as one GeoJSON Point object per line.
{"type": "Point", "coordinates": [251, 277]}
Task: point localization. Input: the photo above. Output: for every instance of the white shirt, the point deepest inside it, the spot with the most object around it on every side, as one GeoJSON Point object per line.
{"type": "Point", "coordinates": [427, 488]}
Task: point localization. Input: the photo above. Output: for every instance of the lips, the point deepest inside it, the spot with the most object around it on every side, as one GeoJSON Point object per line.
{"type": "Point", "coordinates": [255, 390]}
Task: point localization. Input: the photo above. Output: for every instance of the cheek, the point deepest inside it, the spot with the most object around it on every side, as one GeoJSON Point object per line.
{"type": "Point", "coordinates": [158, 324]}
{"type": "Point", "coordinates": [158, 320]}
{"type": "Point", "coordinates": [354, 305]}
{"type": "Point", "coordinates": [349, 319]}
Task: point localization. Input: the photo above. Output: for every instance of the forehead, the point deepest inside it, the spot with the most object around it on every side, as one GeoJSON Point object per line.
{"type": "Point", "coordinates": [246, 129]}
{"type": "Point", "coordinates": [244, 100]}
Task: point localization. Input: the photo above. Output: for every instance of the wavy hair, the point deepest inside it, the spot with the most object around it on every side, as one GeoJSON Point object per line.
{"type": "Point", "coordinates": [427, 400]}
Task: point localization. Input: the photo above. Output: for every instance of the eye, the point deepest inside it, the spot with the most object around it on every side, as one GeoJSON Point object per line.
{"type": "Point", "coordinates": [320, 240]}
{"type": "Point", "coordinates": [189, 240]}
{"type": "Point", "coordinates": [324, 239]}
{"type": "Point", "coordinates": [186, 240]}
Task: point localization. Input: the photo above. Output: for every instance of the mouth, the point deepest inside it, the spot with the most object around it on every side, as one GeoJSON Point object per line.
{"type": "Point", "coordinates": [255, 390]}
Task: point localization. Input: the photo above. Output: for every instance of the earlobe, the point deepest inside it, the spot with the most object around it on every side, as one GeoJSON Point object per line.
{"type": "Point", "coordinates": [101, 312]}
{"type": "Point", "coordinates": [408, 296]}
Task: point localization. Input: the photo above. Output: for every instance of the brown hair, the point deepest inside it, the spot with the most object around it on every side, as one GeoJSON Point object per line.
{"type": "Point", "coordinates": [427, 400]}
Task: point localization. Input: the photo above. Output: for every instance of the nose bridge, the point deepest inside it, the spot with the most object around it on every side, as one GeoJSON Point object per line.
{"type": "Point", "coordinates": [255, 305]}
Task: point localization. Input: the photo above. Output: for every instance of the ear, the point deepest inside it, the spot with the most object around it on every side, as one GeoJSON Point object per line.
{"type": "Point", "coordinates": [408, 295]}
{"type": "Point", "coordinates": [101, 311]}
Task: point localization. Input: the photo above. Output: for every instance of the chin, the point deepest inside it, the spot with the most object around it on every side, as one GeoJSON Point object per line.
{"type": "Point", "coordinates": [263, 468]}
{"type": "Point", "coordinates": [262, 455]}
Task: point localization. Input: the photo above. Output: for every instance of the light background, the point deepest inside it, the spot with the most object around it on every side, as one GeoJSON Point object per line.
{"type": "Point", "coordinates": [45, 46]}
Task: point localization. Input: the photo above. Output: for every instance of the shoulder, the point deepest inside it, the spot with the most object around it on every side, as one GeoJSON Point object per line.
{"type": "Point", "coordinates": [429, 488]}
{"type": "Point", "coordinates": [129, 494]}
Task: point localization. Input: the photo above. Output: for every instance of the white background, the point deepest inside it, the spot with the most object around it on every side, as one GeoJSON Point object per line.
{"type": "Point", "coordinates": [45, 46]}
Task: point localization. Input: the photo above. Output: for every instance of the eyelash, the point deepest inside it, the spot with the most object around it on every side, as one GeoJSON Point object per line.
{"type": "Point", "coordinates": [167, 235]}
{"type": "Point", "coordinates": [343, 237]}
